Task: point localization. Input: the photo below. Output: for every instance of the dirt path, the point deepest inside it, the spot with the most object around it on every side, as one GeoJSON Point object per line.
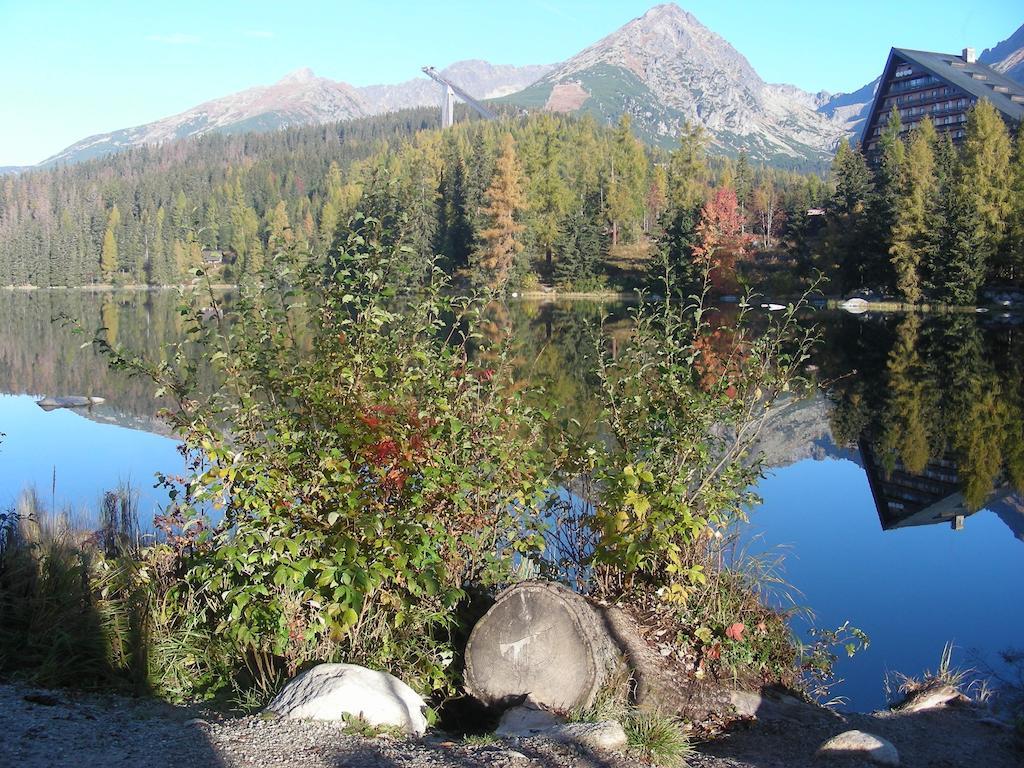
{"type": "Point", "coordinates": [58, 728]}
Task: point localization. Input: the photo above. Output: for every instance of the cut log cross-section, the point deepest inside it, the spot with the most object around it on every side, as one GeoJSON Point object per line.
{"type": "Point", "coordinates": [543, 640]}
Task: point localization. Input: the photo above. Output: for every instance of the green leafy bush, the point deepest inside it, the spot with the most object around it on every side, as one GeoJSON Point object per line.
{"type": "Point", "coordinates": [356, 469]}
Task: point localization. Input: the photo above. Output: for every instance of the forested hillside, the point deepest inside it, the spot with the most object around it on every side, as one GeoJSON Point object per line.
{"type": "Point", "coordinates": [553, 198]}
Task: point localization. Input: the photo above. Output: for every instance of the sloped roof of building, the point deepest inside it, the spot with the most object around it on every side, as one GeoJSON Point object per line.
{"type": "Point", "coordinates": [977, 79]}
{"type": "Point", "coordinates": [974, 78]}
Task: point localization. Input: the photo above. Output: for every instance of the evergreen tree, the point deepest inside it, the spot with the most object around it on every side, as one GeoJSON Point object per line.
{"type": "Point", "coordinates": [878, 270]}
{"type": "Point", "coordinates": [744, 185]}
{"type": "Point", "coordinates": [914, 239]}
{"type": "Point", "coordinates": [580, 249]}
{"type": "Point", "coordinates": [985, 184]}
{"type": "Point", "coordinates": [501, 239]}
{"type": "Point", "coordinates": [109, 253]}
{"type": "Point", "coordinates": [279, 231]}
{"type": "Point", "coordinates": [547, 190]}
{"type": "Point", "coordinates": [455, 232]}
{"type": "Point", "coordinates": [625, 182]}
{"type": "Point", "coordinates": [1014, 250]}
{"type": "Point", "coordinates": [847, 244]}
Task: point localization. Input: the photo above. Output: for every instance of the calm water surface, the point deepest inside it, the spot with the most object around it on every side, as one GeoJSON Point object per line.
{"type": "Point", "coordinates": [868, 490]}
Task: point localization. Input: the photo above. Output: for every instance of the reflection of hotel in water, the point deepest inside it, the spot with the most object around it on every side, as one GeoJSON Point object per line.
{"type": "Point", "coordinates": [904, 499]}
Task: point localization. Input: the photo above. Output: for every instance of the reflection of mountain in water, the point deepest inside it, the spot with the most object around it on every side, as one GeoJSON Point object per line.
{"type": "Point", "coordinates": [932, 408]}
{"type": "Point", "coordinates": [107, 414]}
{"type": "Point", "coordinates": [799, 429]}
{"type": "Point", "coordinates": [40, 356]}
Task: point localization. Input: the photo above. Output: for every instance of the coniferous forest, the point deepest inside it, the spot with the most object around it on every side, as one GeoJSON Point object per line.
{"type": "Point", "coordinates": [520, 200]}
{"type": "Point", "coordinates": [926, 220]}
{"type": "Point", "coordinates": [529, 200]}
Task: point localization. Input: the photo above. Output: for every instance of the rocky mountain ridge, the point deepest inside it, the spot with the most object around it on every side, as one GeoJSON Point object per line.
{"type": "Point", "coordinates": [303, 98]}
{"type": "Point", "coordinates": [664, 68]}
{"type": "Point", "coordinates": [1008, 56]}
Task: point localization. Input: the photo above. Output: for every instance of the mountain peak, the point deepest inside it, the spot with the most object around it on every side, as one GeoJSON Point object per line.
{"type": "Point", "coordinates": [668, 12]}
{"type": "Point", "coordinates": [303, 75]}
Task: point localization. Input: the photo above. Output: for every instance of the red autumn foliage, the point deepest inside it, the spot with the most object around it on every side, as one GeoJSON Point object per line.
{"type": "Point", "coordinates": [735, 631]}
{"type": "Point", "coordinates": [721, 240]}
{"type": "Point", "coordinates": [383, 451]}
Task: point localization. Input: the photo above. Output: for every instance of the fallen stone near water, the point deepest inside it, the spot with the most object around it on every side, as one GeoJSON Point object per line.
{"type": "Point", "coordinates": [859, 744]}
{"type": "Point", "coordinates": [334, 691]}
{"type": "Point", "coordinates": [931, 697]}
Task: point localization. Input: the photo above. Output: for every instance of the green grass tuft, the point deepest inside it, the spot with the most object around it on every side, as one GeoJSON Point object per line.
{"type": "Point", "coordinates": [657, 739]}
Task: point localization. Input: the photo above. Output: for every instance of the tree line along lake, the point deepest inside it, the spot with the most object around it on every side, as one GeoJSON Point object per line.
{"type": "Point", "coordinates": [890, 498]}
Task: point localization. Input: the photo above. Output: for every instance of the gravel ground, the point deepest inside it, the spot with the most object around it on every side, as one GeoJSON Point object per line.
{"type": "Point", "coordinates": [40, 729]}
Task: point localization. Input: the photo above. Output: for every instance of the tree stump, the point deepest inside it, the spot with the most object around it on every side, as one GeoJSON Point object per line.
{"type": "Point", "coordinates": [546, 641]}
{"type": "Point", "coordinates": [543, 640]}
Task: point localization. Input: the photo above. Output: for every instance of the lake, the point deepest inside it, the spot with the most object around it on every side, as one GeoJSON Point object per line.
{"type": "Point", "coordinates": [868, 489]}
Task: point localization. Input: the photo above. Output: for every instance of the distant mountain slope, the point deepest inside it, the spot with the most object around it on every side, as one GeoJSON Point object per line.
{"type": "Point", "coordinates": [1008, 56]}
{"type": "Point", "coordinates": [298, 98]}
{"type": "Point", "coordinates": [478, 78]}
{"type": "Point", "coordinates": [302, 98]}
{"type": "Point", "coordinates": [665, 68]}
{"type": "Point", "coordinates": [850, 110]}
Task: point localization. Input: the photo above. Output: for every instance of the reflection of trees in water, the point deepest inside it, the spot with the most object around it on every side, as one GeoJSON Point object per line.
{"type": "Point", "coordinates": [40, 356]}
{"type": "Point", "coordinates": [931, 388]}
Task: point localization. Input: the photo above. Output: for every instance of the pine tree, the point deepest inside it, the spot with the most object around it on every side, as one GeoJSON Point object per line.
{"type": "Point", "coordinates": [547, 192]}
{"type": "Point", "coordinates": [846, 239]}
{"type": "Point", "coordinates": [985, 184]}
{"type": "Point", "coordinates": [580, 249]}
{"type": "Point", "coordinates": [501, 239]}
{"type": "Point", "coordinates": [1014, 249]}
{"type": "Point", "coordinates": [279, 231]}
{"type": "Point", "coordinates": [625, 182]}
{"type": "Point", "coordinates": [688, 170]}
{"type": "Point", "coordinates": [877, 268]}
{"type": "Point", "coordinates": [108, 253]}
{"type": "Point", "coordinates": [914, 241]}
{"type": "Point", "coordinates": [744, 185]}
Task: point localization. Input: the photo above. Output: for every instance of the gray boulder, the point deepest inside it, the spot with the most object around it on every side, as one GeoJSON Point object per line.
{"type": "Point", "coordinates": [332, 691]}
{"type": "Point", "coordinates": [606, 736]}
{"type": "Point", "coordinates": [527, 719]}
{"type": "Point", "coordinates": [932, 696]}
{"type": "Point", "coordinates": [860, 744]}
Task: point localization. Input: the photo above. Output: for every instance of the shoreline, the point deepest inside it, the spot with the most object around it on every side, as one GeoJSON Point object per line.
{"type": "Point", "coordinates": [44, 728]}
{"type": "Point", "coordinates": [553, 295]}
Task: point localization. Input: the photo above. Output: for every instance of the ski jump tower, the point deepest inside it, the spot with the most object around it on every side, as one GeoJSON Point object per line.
{"type": "Point", "coordinates": [449, 91]}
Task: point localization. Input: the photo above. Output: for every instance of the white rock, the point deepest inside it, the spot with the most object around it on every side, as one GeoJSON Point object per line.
{"type": "Point", "coordinates": [527, 719]}
{"type": "Point", "coordinates": [860, 744]}
{"type": "Point", "coordinates": [330, 691]}
{"type": "Point", "coordinates": [606, 736]}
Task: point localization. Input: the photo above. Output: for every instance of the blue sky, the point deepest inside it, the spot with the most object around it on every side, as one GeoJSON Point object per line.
{"type": "Point", "coordinates": [74, 68]}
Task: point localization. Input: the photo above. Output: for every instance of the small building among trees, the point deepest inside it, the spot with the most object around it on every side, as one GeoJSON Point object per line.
{"type": "Point", "coordinates": [940, 86]}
